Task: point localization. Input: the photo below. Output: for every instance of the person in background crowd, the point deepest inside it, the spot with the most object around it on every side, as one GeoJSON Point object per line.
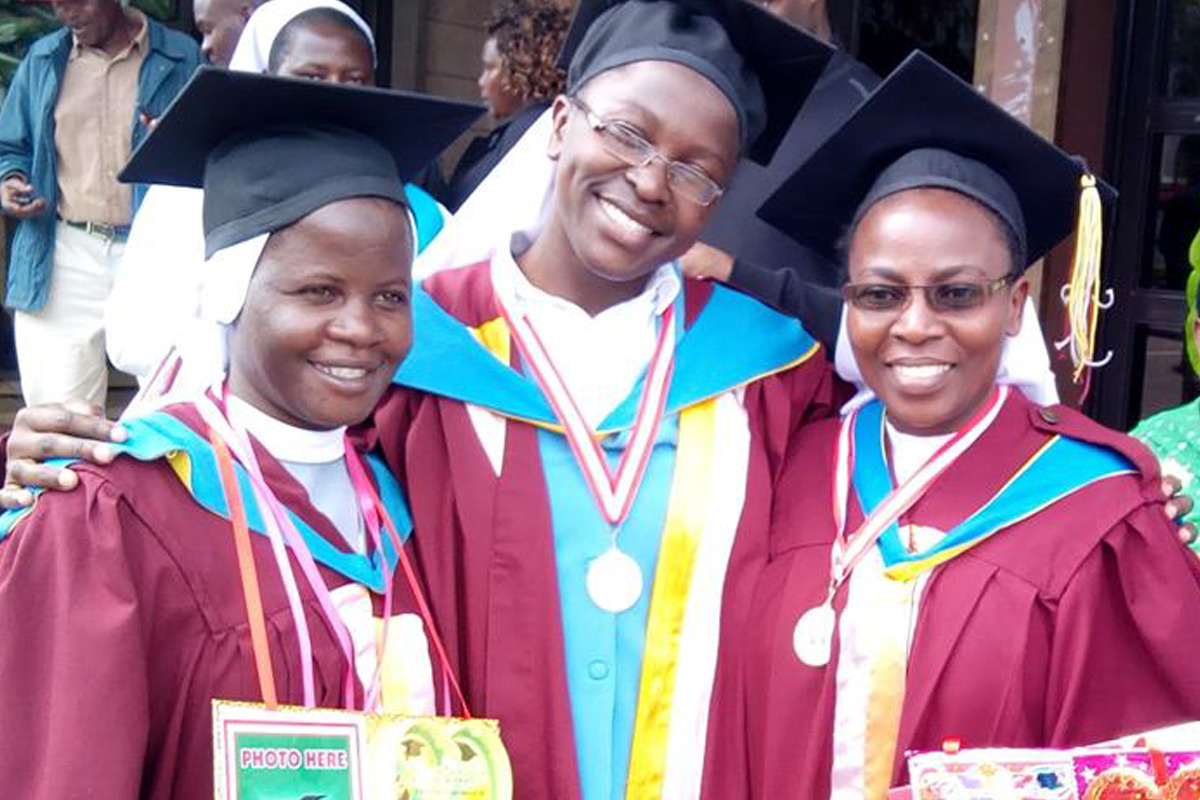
{"type": "Point", "coordinates": [151, 315]}
{"type": "Point", "coordinates": [134, 628]}
{"type": "Point", "coordinates": [1174, 434]}
{"type": "Point", "coordinates": [78, 105]}
{"type": "Point", "coordinates": [1190, 361]}
{"type": "Point", "coordinates": [220, 23]}
{"type": "Point", "coordinates": [519, 79]}
{"type": "Point", "coordinates": [257, 40]}
{"type": "Point", "coordinates": [1000, 572]}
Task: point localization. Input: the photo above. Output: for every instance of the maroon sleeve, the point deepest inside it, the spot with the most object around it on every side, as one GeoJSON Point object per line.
{"type": "Point", "coordinates": [387, 429]}
{"type": "Point", "coordinates": [1126, 636]}
{"type": "Point", "coordinates": [787, 401]}
{"type": "Point", "coordinates": [74, 656]}
{"type": "Point", "coordinates": [828, 394]}
{"type": "Point", "coordinates": [817, 392]}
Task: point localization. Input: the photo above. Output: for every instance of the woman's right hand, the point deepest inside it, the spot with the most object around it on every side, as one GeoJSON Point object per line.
{"type": "Point", "coordinates": [54, 430]}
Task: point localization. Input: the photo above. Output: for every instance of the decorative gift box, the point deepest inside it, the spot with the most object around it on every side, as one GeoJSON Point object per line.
{"type": "Point", "coordinates": [1160, 765]}
{"type": "Point", "coordinates": [993, 774]}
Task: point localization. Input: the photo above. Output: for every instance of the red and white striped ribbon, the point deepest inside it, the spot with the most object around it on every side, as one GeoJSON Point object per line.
{"type": "Point", "coordinates": [614, 493]}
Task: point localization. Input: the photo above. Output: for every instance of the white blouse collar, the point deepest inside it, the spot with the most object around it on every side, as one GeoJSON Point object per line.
{"type": "Point", "coordinates": [516, 291]}
{"type": "Point", "coordinates": [287, 442]}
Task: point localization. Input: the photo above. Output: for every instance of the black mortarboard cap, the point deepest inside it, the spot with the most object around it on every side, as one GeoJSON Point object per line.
{"type": "Point", "coordinates": [764, 65]}
{"type": "Point", "coordinates": [925, 127]}
{"type": "Point", "coordinates": [270, 150]}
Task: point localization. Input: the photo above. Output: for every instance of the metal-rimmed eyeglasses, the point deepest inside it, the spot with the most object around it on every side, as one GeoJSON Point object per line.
{"type": "Point", "coordinates": [625, 142]}
{"type": "Point", "coordinates": [948, 297]}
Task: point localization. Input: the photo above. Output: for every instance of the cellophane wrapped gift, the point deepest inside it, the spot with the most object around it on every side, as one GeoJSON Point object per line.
{"type": "Point", "coordinates": [1156, 765]}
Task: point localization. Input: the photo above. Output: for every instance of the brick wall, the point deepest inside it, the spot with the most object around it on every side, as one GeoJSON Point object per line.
{"type": "Point", "coordinates": [436, 46]}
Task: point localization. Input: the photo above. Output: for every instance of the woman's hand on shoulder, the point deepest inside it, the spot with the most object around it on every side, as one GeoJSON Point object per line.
{"type": "Point", "coordinates": [1178, 506]}
{"type": "Point", "coordinates": [703, 262]}
{"type": "Point", "coordinates": [54, 430]}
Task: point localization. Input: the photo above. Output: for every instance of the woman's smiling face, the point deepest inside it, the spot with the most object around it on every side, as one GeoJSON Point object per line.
{"type": "Point", "coordinates": [623, 221]}
{"type": "Point", "coordinates": [932, 369]}
{"type": "Point", "coordinates": [327, 317]}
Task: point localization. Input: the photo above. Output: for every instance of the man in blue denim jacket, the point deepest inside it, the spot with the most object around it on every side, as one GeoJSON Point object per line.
{"type": "Point", "coordinates": [78, 104]}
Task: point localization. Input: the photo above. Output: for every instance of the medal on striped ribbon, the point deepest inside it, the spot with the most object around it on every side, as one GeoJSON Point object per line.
{"type": "Point", "coordinates": [614, 579]}
{"type": "Point", "coordinates": [812, 637]}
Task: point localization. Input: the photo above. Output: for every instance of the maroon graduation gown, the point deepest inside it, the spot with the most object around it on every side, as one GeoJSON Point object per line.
{"type": "Point", "coordinates": [1071, 627]}
{"type": "Point", "coordinates": [485, 543]}
{"type": "Point", "coordinates": [123, 618]}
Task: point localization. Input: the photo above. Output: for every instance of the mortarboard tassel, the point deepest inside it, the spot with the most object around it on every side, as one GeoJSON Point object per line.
{"type": "Point", "coordinates": [1081, 295]}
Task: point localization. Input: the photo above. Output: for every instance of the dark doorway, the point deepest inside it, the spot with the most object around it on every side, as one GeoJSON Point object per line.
{"type": "Point", "coordinates": [1156, 159]}
{"type": "Point", "coordinates": [380, 16]}
{"type": "Point", "coordinates": [881, 33]}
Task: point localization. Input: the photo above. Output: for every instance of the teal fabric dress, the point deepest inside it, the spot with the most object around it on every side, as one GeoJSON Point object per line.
{"type": "Point", "coordinates": [1174, 436]}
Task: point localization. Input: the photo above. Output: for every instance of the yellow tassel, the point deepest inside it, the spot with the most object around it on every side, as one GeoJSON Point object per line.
{"type": "Point", "coordinates": [1082, 293]}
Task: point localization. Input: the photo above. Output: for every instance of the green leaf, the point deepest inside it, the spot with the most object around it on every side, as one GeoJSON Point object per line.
{"type": "Point", "coordinates": [23, 30]}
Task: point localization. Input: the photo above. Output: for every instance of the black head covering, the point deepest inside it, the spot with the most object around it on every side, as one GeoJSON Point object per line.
{"type": "Point", "coordinates": [268, 151]}
{"type": "Point", "coordinates": [765, 66]}
{"type": "Point", "coordinates": [924, 127]}
{"type": "Point", "coordinates": [248, 190]}
{"type": "Point", "coordinates": [932, 167]}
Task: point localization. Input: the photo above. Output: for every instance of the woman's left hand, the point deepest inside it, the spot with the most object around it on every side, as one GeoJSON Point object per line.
{"type": "Point", "coordinates": [1178, 506]}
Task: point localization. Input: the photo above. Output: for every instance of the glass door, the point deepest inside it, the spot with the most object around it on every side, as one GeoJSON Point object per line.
{"type": "Point", "coordinates": [1157, 171]}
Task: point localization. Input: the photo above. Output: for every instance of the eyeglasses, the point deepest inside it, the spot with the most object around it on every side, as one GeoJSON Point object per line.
{"type": "Point", "coordinates": [623, 141]}
{"type": "Point", "coordinates": [950, 297]}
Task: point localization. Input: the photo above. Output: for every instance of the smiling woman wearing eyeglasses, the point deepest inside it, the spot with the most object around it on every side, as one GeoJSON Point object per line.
{"type": "Point", "coordinates": [613, 428]}
{"type": "Point", "coordinates": [949, 559]}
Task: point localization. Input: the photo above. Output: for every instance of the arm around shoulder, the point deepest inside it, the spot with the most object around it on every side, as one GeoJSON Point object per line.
{"type": "Point", "coordinates": [819, 308]}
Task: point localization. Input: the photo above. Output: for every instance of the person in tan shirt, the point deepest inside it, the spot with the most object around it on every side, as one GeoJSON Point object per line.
{"type": "Point", "coordinates": [96, 101]}
{"type": "Point", "coordinates": [79, 104]}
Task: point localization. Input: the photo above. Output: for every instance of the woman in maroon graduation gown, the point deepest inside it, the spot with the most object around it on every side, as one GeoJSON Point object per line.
{"type": "Point", "coordinates": [1024, 589]}
{"type": "Point", "coordinates": [121, 605]}
{"type": "Point", "coordinates": [589, 629]}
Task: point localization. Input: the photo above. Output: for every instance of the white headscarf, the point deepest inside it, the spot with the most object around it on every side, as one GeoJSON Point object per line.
{"type": "Point", "coordinates": [207, 295]}
{"type": "Point", "coordinates": [253, 49]}
{"type": "Point", "coordinates": [227, 273]}
{"type": "Point", "coordinates": [513, 197]}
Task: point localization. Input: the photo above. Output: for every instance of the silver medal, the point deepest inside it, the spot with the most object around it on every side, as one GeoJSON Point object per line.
{"type": "Point", "coordinates": [614, 581]}
{"type": "Point", "coordinates": [812, 638]}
